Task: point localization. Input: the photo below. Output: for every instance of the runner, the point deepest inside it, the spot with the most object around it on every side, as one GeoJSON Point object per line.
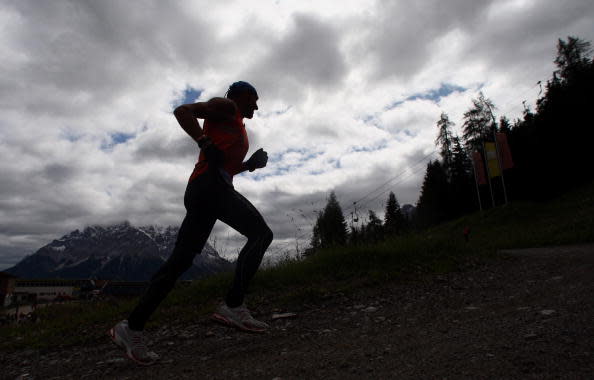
{"type": "Point", "coordinates": [209, 196]}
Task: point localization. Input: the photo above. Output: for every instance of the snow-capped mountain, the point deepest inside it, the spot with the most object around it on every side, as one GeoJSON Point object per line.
{"type": "Point", "coordinates": [117, 252]}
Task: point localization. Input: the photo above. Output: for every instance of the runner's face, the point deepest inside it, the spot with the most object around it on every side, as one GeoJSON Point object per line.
{"type": "Point", "coordinates": [247, 103]}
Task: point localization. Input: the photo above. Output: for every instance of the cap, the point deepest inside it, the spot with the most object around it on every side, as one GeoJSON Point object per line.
{"type": "Point", "coordinates": [239, 87]}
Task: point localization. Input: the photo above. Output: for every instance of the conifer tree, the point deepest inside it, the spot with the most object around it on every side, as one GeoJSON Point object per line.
{"type": "Point", "coordinates": [394, 221]}
{"type": "Point", "coordinates": [572, 57]}
{"type": "Point", "coordinates": [316, 238]}
{"type": "Point", "coordinates": [463, 197]}
{"type": "Point", "coordinates": [478, 123]}
{"type": "Point", "coordinates": [432, 206]}
{"type": "Point", "coordinates": [504, 125]}
{"type": "Point", "coordinates": [444, 139]}
{"type": "Point", "coordinates": [330, 228]}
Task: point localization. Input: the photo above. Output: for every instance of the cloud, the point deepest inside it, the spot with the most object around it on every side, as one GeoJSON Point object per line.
{"type": "Point", "coordinates": [85, 58]}
{"type": "Point", "coordinates": [306, 58]}
{"type": "Point", "coordinates": [160, 146]}
{"type": "Point", "coordinates": [398, 37]}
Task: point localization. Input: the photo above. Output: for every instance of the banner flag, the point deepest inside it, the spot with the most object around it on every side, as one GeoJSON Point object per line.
{"type": "Point", "coordinates": [491, 153]}
{"type": "Point", "coordinates": [504, 151]}
{"type": "Point", "coordinates": [479, 168]}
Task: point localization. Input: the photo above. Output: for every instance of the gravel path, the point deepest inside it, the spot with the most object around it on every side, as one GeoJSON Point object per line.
{"type": "Point", "coordinates": [527, 315]}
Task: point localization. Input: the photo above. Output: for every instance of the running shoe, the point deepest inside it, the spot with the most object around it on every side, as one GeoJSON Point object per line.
{"type": "Point", "coordinates": [133, 342]}
{"type": "Point", "coordinates": [239, 317]}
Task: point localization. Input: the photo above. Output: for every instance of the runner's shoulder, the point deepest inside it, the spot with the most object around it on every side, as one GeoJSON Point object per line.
{"type": "Point", "coordinates": [221, 110]}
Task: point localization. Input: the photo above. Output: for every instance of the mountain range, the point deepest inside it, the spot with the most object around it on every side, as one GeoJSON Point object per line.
{"type": "Point", "coordinates": [117, 252]}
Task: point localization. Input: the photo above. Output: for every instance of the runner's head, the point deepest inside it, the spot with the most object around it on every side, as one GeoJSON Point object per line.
{"type": "Point", "coordinates": [245, 96]}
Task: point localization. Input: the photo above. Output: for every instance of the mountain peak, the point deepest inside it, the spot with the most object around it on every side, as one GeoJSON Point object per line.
{"type": "Point", "coordinates": [119, 251]}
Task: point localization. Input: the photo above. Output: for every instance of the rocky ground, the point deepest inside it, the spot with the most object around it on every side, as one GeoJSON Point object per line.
{"type": "Point", "coordinates": [527, 315]}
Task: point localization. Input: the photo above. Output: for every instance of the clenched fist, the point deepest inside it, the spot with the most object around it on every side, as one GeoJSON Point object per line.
{"type": "Point", "coordinates": [257, 160]}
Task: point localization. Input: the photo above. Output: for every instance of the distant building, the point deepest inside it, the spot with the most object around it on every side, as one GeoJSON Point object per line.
{"type": "Point", "coordinates": [7, 281]}
{"type": "Point", "coordinates": [43, 290]}
{"type": "Point", "coordinates": [30, 291]}
{"type": "Point", "coordinates": [124, 288]}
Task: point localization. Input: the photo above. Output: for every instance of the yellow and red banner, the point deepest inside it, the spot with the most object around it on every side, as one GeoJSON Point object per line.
{"type": "Point", "coordinates": [504, 151]}
{"type": "Point", "coordinates": [492, 162]}
{"type": "Point", "coordinates": [479, 168]}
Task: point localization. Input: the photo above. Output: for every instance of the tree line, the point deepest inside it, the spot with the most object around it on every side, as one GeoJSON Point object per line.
{"type": "Point", "coordinates": [550, 147]}
{"type": "Point", "coordinates": [331, 227]}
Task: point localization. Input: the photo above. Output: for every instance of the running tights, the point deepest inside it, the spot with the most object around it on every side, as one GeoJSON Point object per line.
{"type": "Point", "coordinates": [207, 199]}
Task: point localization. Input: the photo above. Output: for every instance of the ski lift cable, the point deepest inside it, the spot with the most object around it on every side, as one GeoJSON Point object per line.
{"type": "Point", "coordinates": [385, 191]}
{"type": "Point", "coordinates": [395, 177]}
{"type": "Point", "coordinates": [506, 107]}
{"type": "Point", "coordinates": [414, 168]}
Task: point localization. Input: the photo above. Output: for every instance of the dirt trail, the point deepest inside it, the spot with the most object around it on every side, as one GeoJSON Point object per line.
{"type": "Point", "coordinates": [527, 315]}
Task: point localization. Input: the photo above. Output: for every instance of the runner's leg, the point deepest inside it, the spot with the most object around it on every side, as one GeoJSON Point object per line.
{"type": "Point", "coordinates": [191, 238]}
{"type": "Point", "coordinates": [241, 215]}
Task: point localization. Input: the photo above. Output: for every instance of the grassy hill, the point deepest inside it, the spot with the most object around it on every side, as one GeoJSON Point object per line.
{"type": "Point", "coordinates": [566, 220]}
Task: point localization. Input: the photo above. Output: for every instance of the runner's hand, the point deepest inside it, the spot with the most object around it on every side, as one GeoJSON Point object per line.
{"type": "Point", "coordinates": [257, 160]}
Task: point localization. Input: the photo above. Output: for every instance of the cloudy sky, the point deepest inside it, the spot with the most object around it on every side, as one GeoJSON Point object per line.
{"type": "Point", "coordinates": [350, 92]}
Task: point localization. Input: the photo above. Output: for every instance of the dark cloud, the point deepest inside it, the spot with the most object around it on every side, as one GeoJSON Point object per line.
{"type": "Point", "coordinates": [95, 53]}
{"type": "Point", "coordinates": [11, 184]}
{"type": "Point", "coordinates": [154, 146]}
{"type": "Point", "coordinates": [306, 58]}
{"type": "Point", "coordinates": [400, 34]}
{"type": "Point", "coordinates": [527, 37]}
{"type": "Point", "coordinates": [58, 173]}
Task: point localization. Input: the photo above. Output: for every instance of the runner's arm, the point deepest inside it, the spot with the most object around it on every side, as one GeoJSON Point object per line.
{"type": "Point", "coordinates": [216, 109]}
{"type": "Point", "coordinates": [187, 116]}
{"type": "Point", "coordinates": [243, 168]}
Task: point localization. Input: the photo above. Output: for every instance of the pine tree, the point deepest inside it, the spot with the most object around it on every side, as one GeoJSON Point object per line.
{"type": "Point", "coordinates": [394, 221]}
{"type": "Point", "coordinates": [433, 203]}
{"type": "Point", "coordinates": [444, 139]}
{"type": "Point", "coordinates": [316, 238]}
{"type": "Point", "coordinates": [572, 57]}
{"type": "Point", "coordinates": [478, 123]}
{"type": "Point", "coordinates": [504, 125]}
{"type": "Point", "coordinates": [462, 188]}
{"type": "Point", "coordinates": [330, 228]}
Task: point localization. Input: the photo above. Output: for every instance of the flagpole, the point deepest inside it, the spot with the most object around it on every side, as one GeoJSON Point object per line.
{"type": "Point", "coordinates": [496, 154]}
{"type": "Point", "coordinates": [478, 193]}
{"type": "Point", "coordinates": [486, 161]}
{"type": "Point", "coordinates": [499, 164]}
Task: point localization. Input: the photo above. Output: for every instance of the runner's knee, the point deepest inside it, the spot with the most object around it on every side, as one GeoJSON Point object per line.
{"type": "Point", "coordinates": [261, 233]}
{"type": "Point", "coordinates": [267, 235]}
{"type": "Point", "coordinates": [179, 261]}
